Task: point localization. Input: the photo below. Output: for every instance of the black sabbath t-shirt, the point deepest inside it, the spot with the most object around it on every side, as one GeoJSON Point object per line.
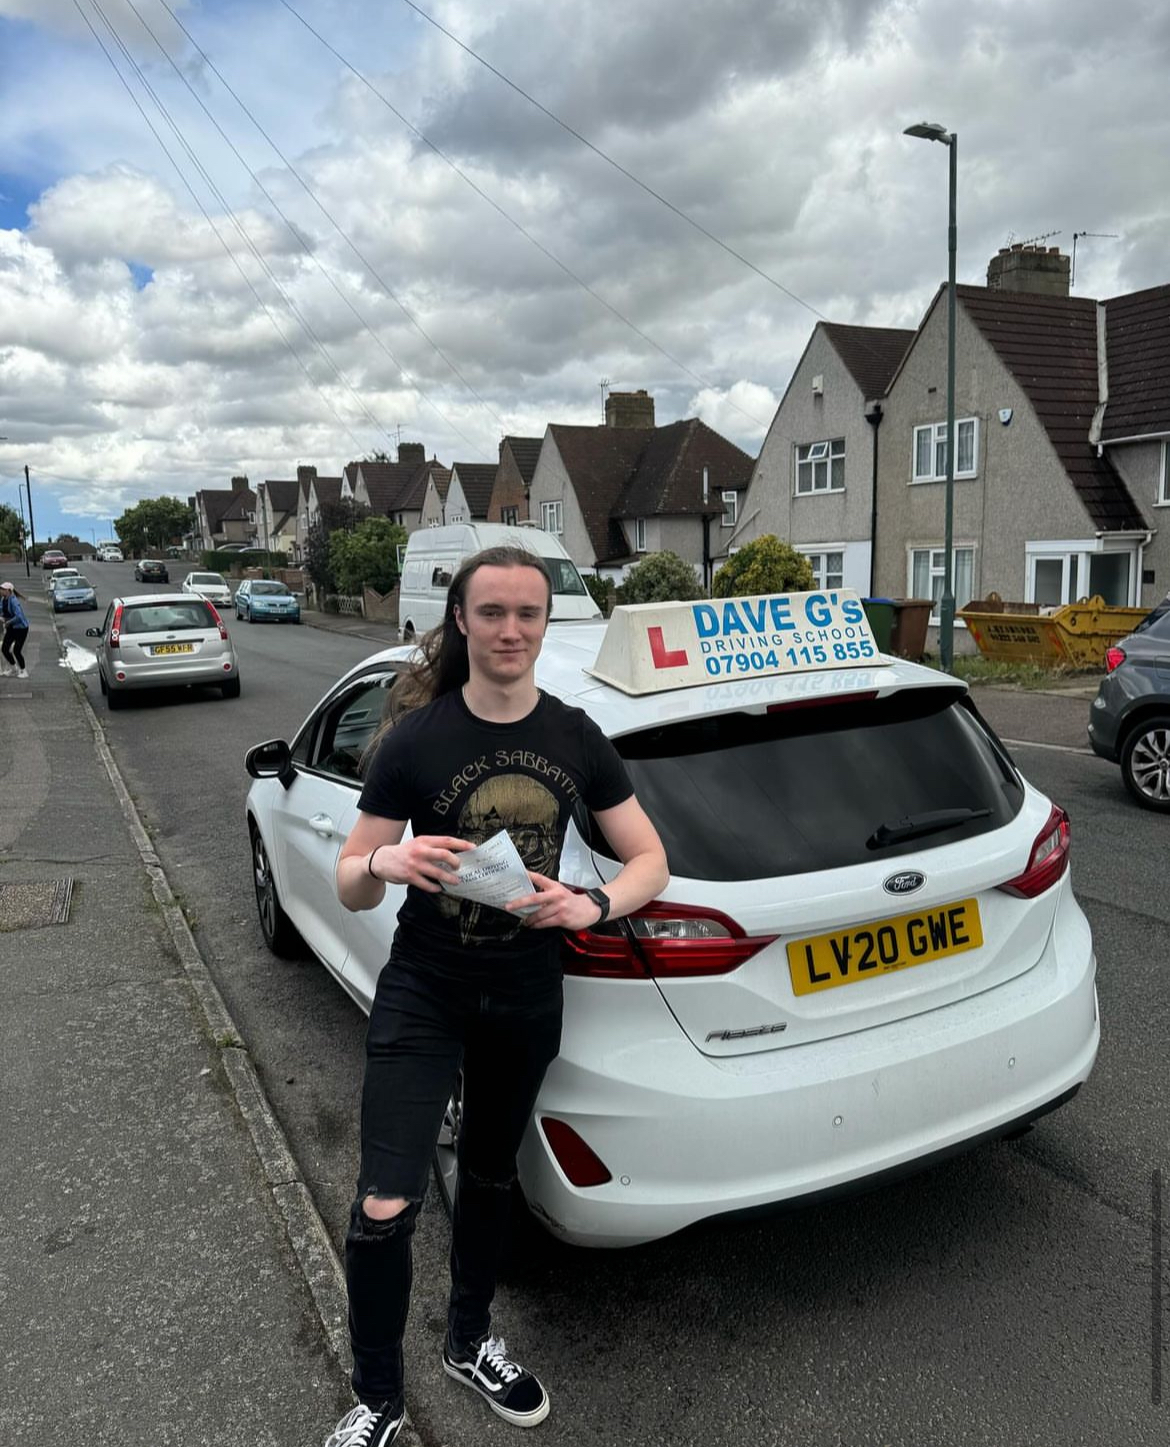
{"type": "Point", "coordinates": [449, 772]}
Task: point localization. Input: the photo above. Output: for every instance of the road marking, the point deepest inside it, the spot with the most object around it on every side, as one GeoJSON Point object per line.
{"type": "Point", "coordinates": [1056, 748]}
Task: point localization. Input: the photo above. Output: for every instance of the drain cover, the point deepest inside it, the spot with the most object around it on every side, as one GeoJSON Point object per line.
{"type": "Point", "coordinates": [29, 906]}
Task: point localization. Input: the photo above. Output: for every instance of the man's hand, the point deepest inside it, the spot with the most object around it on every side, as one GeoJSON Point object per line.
{"type": "Point", "coordinates": [556, 906]}
{"type": "Point", "coordinates": [427, 861]}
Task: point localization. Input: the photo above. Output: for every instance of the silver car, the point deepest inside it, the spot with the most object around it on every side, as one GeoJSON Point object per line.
{"type": "Point", "coordinates": [163, 640]}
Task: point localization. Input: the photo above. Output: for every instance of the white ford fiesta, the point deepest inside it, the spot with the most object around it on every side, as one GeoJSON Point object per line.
{"type": "Point", "coordinates": [868, 956]}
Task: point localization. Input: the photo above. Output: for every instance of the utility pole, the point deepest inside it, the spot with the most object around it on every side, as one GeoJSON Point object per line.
{"type": "Point", "coordinates": [31, 529]}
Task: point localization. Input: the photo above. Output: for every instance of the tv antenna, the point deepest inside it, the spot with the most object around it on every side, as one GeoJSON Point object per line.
{"type": "Point", "coordinates": [1104, 235]}
{"type": "Point", "coordinates": [604, 384]}
{"type": "Point", "coordinates": [1044, 236]}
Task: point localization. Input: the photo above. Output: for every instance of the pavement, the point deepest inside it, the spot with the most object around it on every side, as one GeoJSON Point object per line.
{"type": "Point", "coordinates": [164, 1276]}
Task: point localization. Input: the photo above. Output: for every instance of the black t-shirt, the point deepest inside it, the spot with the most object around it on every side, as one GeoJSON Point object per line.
{"type": "Point", "coordinates": [449, 772]}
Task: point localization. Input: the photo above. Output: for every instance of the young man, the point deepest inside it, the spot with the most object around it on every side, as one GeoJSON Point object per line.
{"type": "Point", "coordinates": [474, 748]}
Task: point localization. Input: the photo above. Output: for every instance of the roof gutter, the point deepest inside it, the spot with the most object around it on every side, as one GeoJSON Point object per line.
{"type": "Point", "coordinates": [1139, 437]}
{"type": "Point", "coordinates": [1098, 422]}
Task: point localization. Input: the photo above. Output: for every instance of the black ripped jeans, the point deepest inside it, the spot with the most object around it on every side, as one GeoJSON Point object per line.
{"type": "Point", "coordinates": [429, 1020]}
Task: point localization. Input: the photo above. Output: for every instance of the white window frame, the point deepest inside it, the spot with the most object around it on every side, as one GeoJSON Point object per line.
{"type": "Point", "coordinates": [936, 568]}
{"type": "Point", "coordinates": [938, 445]}
{"type": "Point", "coordinates": [1064, 550]}
{"type": "Point", "coordinates": [827, 452]}
{"type": "Point", "coordinates": [639, 535]}
{"type": "Point", "coordinates": [552, 517]}
{"type": "Point", "coordinates": [819, 558]}
{"type": "Point", "coordinates": [730, 508]}
{"type": "Point", "coordinates": [509, 516]}
{"type": "Point", "coordinates": [1163, 498]}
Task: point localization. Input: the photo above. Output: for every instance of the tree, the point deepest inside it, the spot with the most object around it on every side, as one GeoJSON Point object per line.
{"type": "Point", "coordinates": [153, 523]}
{"type": "Point", "coordinates": [11, 529]}
{"type": "Point", "coordinates": [69, 544]}
{"type": "Point", "coordinates": [367, 556]}
{"type": "Point", "coordinates": [660, 578]}
{"type": "Point", "coordinates": [767, 565]}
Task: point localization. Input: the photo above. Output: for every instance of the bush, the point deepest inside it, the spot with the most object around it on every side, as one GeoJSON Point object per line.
{"type": "Point", "coordinates": [660, 578]}
{"type": "Point", "coordinates": [367, 556]}
{"type": "Point", "coordinates": [601, 590]}
{"type": "Point", "coordinates": [767, 565]}
{"type": "Point", "coordinates": [215, 561]}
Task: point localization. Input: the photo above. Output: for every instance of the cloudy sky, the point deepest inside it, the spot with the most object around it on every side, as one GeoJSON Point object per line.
{"type": "Point", "coordinates": [358, 232]}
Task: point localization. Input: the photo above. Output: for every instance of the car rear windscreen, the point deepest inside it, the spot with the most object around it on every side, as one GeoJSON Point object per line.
{"type": "Point", "coordinates": [167, 617]}
{"type": "Point", "coordinates": [565, 577]}
{"type": "Point", "coordinates": [270, 589]}
{"type": "Point", "coordinates": [756, 796]}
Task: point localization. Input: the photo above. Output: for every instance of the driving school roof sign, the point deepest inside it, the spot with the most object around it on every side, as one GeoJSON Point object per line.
{"type": "Point", "coordinates": [650, 647]}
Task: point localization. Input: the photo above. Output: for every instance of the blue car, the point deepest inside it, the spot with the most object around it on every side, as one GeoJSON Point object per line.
{"type": "Point", "coordinates": [75, 592]}
{"type": "Point", "coordinates": [258, 599]}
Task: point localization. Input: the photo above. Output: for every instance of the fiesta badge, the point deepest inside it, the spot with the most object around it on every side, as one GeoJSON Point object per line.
{"type": "Point", "coordinates": [904, 883]}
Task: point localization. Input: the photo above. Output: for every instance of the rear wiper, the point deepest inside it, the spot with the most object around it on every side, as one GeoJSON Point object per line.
{"type": "Point", "coordinates": [913, 826]}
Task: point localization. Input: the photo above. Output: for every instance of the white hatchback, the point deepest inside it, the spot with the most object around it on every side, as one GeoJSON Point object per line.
{"type": "Point", "coordinates": [868, 956]}
{"type": "Point", "coordinates": [212, 586]}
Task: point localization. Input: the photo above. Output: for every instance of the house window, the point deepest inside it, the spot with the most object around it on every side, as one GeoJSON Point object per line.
{"type": "Point", "coordinates": [730, 510]}
{"type": "Point", "coordinates": [820, 466]}
{"type": "Point", "coordinates": [828, 569]}
{"type": "Point", "coordinates": [639, 535]}
{"type": "Point", "coordinates": [930, 450]}
{"type": "Point", "coordinates": [1164, 477]}
{"type": "Point", "coordinates": [508, 516]}
{"type": "Point", "coordinates": [1063, 572]}
{"type": "Point", "coordinates": [926, 576]}
{"type": "Point", "coordinates": [551, 517]}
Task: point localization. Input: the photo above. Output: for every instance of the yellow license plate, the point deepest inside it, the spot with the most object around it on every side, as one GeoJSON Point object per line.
{"type": "Point", "coordinates": [172, 648]}
{"type": "Point", "coordinates": [842, 958]}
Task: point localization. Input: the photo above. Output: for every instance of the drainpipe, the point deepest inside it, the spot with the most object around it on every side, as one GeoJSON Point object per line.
{"type": "Point", "coordinates": [874, 419]}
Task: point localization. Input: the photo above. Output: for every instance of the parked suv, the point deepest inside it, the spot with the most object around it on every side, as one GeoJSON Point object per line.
{"type": "Point", "coordinates": [1129, 722]}
{"type": "Point", "coordinates": [868, 955]}
{"type": "Point", "coordinates": [163, 640]}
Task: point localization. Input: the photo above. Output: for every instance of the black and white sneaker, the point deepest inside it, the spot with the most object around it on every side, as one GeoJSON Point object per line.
{"type": "Point", "coordinates": [509, 1390]}
{"type": "Point", "coordinates": [367, 1427]}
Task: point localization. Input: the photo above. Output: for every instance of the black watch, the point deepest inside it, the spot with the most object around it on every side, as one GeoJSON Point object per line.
{"type": "Point", "coordinates": [603, 903]}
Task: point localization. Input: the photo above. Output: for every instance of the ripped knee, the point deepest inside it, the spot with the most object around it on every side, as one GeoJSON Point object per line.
{"type": "Point", "coordinates": [485, 1183]}
{"type": "Point", "coordinates": [375, 1217]}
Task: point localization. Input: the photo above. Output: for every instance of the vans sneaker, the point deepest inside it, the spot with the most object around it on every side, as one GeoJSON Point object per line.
{"type": "Point", "coordinates": [23, 673]}
{"type": "Point", "coordinates": [509, 1390]}
{"type": "Point", "coordinates": [365, 1427]}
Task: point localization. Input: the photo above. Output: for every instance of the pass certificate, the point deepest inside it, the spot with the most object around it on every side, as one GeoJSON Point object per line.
{"type": "Point", "coordinates": [493, 873]}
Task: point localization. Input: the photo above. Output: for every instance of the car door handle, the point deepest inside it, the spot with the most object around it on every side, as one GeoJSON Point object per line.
{"type": "Point", "coordinates": [323, 825]}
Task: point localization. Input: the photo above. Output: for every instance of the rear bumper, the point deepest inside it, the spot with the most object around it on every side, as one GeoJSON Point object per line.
{"type": "Point", "coordinates": [687, 1138]}
{"type": "Point", "coordinates": [172, 675]}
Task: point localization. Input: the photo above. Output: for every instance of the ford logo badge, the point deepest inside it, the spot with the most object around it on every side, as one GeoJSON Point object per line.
{"type": "Point", "coordinates": [905, 883]}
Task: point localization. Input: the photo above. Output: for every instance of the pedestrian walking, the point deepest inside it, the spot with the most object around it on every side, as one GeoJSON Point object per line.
{"type": "Point", "coordinates": [472, 747]}
{"type": "Point", "coordinates": [15, 630]}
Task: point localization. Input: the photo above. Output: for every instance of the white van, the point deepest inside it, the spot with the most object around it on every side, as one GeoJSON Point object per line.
{"type": "Point", "coordinates": [434, 554]}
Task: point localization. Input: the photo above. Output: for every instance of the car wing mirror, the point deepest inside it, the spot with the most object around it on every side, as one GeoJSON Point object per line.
{"type": "Point", "coordinates": [272, 760]}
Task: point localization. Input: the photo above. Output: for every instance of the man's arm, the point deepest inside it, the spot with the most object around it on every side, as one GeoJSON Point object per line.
{"type": "Point", "coordinates": [644, 874]}
{"type": "Point", "coordinates": [374, 855]}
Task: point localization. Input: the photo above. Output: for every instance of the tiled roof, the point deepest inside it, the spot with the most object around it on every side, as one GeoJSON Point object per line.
{"type": "Point", "coordinates": [1138, 347]}
{"type": "Point", "coordinates": [1049, 344]}
{"type": "Point", "coordinates": [668, 479]}
{"type": "Point", "coordinates": [328, 489]}
{"type": "Point", "coordinates": [216, 501]}
{"type": "Point", "coordinates": [239, 505]}
{"type": "Point", "coordinates": [525, 451]}
{"type": "Point", "coordinates": [441, 477]}
{"type": "Point", "coordinates": [600, 461]}
{"type": "Point", "coordinates": [871, 354]}
{"type": "Point", "coordinates": [477, 480]}
{"type": "Point", "coordinates": [282, 493]}
{"type": "Point", "coordinates": [388, 482]}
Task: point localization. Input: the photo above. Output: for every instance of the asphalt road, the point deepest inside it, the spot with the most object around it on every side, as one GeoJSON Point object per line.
{"type": "Point", "coordinates": [1007, 1296]}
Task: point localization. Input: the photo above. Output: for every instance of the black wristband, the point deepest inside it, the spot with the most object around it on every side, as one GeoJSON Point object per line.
{"type": "Point", "coordinates": [370, 862]}
{"type": "Point", "coordinates": [603, 903]}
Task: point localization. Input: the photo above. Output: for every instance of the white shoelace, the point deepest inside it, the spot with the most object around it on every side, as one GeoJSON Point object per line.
{"type": "Point", "coordinates": [493, 1351]}
{"type": "Point", "coordinates": [354, 1429]}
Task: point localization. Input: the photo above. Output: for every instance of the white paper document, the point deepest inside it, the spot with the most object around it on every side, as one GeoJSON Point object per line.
{"type": "Point", "coordinates": [493, 873]}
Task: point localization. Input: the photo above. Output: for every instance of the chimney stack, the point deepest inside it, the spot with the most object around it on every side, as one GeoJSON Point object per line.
{"type": "Point", "coordinates": [629, 409]}
{"type": "Point", "coordinates": [1041, 270]}
{"type": "Point", "coordinates": [239, 484]}
{"type": "Point", "coordinates": [306, 475]}
{"type": "Point", "coordinates": [413, 452]}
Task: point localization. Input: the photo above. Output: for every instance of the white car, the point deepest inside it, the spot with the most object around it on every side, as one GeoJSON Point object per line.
{"type": "Point", "coordinates": [212, 586]}
{"type": "Point", "coordinates": [109, 554]}
{"type": "Point", "coordinates": [868, 956]}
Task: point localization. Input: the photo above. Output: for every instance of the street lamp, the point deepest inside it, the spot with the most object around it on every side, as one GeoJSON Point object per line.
{"type": "Point", "coordinates": [932, 131]}
{"type": "Point", "coordinates": [31, 530]}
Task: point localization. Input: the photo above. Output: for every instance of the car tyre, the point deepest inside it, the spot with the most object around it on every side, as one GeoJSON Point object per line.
{"type": "Point", "coordinates": [408, 633]}
{"type": "Point", "coordinates": [251, 616]}
{"type": "Point", "coordinates": [231, 688]}
{"type": "Point", "coordinates": [114, 699]}
{"type": "Point", "coordinates": [280, 934]}
{"type": "Point", "coordinates": [1145, 763]}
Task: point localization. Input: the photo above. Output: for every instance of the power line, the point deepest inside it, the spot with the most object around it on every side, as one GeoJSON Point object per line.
{"type": "Point", "coordinates": [295, 231]}
{"type": "Point", "coordinates": [231, 216]}
{"type": "Point", "coordinates": [495, 205]}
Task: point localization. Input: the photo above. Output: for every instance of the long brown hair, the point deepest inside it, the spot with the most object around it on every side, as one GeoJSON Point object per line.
{"type": "Point", "coordinates": [443, 666]}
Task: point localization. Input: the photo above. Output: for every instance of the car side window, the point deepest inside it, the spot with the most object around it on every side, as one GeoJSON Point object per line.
{"type": "Point", "coordinates": [346, 726]}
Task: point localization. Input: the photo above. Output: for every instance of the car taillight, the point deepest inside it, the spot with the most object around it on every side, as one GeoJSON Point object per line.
{"type": "Point", "coordinates": [822, 702]}
{"type": "Point", "coordinates": [582, 1165]}
{"type": "Point", "coordinates": [1113, 656]}
{"type": "Point", "coordinates": [662, 941]}
{"type": "Point", "coordinates": [1048, 860]}
{"type": "Point", "coordinates": [218, 620]}
{"type": "Point", "coordinates": [116, 627]}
